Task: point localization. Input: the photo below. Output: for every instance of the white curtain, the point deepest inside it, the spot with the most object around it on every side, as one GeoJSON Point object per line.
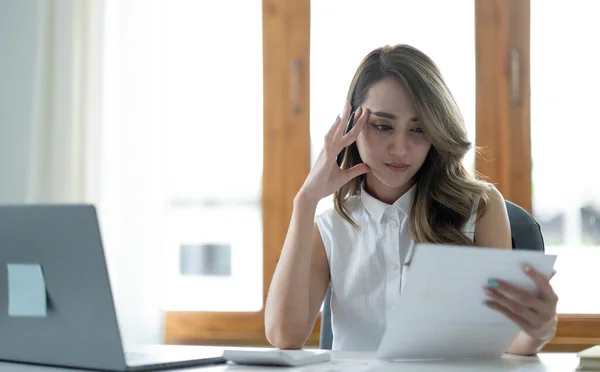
{"type": "Point", "coordinates": [65, 130]}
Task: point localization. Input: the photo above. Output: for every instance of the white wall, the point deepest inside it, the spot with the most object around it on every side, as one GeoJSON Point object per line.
{"type": "Point", "coordinates": [21, 23]}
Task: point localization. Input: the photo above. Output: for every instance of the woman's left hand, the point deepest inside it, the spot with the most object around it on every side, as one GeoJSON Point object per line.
{"type": "Point", "coordinates": [535, 314]}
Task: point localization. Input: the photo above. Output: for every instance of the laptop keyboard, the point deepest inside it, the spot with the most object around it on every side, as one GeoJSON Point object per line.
{"type": "Point", "coordinates": [164, 354]}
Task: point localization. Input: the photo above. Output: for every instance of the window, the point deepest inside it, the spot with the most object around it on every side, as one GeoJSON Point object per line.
{"type": "Point", "coordinates": [525, 106]}
{"type": "Point", "coordinates": [239, 118]}
{"type": "Point", "coordinates": [564, 136]}
{"type": "Point", "coordinates": [213, 146]}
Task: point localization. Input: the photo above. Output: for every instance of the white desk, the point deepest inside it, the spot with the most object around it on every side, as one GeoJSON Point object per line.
{"type": "Point", "coordinates": [362, 362]}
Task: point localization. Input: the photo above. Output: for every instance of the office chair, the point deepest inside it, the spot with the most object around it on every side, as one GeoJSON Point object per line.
{"type": "Point", "coordinates": [526, 234]}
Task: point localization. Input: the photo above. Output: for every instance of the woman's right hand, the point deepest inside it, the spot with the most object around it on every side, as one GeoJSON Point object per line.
{"type": "Point", "coordinates": [326, 176]}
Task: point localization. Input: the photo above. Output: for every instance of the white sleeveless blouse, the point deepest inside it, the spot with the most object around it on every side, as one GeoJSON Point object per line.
{"type": "Point", "coordinates": [366, 266]}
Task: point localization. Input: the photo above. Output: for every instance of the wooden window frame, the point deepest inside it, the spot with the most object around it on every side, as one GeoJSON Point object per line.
{"type": "Point", "coordinates": [502, 29]}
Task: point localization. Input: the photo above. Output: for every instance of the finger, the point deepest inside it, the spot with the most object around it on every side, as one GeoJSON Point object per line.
{"type": "Point", "coordinates": [516, 318]}
{"type": "Point", "coordinates": [527, 299]}
{"type": "Point", "coordinates": [513, 306]}
{"type": "Point", "coordinates": [356, 171]}
{"type": "Point", "coordinates": [330, 133]}
{"type": "Point", "coordinates": [345, 117]}
{"type": "Point", "coordinates": [359, 125]}
{"type": "Point", "coordinates": [547, 332]}
{"type": "Point", "coordinates": [341, 132]}
{"type": "Point", "coordinates": [543, 284]}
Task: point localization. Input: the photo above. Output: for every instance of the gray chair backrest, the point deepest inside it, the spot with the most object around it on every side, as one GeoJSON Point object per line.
{"type": "Point", "coordinates": [526, 234]}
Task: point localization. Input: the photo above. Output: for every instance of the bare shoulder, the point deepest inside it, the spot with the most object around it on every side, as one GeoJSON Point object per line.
{"type": "Point", "coordinates": [492, 228]}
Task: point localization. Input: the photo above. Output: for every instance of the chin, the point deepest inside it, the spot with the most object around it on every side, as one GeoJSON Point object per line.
{"type": "Point", "coordinates": [394, 181]}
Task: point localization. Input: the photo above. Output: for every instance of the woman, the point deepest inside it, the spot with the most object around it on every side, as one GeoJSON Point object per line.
{"type": "Point", "coordinates": [401, 182]}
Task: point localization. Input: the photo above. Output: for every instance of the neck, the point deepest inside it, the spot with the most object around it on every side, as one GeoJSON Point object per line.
{"type": "Point", "coordinates": [384, 193]}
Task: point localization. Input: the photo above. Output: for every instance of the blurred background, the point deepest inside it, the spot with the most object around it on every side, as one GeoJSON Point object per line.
{"type": "Point", "coordinates": [191, 124]}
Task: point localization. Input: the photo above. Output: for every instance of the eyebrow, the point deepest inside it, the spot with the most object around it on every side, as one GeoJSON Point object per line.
{"type": "Point", "coordinates": [387, 115]}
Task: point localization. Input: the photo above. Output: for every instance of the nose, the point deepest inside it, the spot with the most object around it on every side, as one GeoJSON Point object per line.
{"type": "Point", "coordinates": [398, 146]}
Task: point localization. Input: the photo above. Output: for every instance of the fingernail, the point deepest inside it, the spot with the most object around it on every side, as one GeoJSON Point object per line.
{"type": "Point", "coordinates": [487, 303]}
{"type": "Point", "coordinates": [526, 268]}
{"type": "Point", "coordinates": [553, 272]}
{"type": "Point", "coordinates": [493, 283]}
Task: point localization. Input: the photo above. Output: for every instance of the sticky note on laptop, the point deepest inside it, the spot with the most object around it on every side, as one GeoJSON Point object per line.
{"type": "Point", "coordinates": [26, 291]}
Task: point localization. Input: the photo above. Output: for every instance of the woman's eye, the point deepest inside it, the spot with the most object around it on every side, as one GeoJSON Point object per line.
{"type": "Point", "coordinates": [417, 130]}
{"type": "Point", "coordinates": [382, 127]}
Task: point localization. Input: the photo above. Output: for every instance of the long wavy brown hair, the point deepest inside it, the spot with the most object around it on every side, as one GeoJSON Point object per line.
{"type": "Point", "coordinates": [444, 191]}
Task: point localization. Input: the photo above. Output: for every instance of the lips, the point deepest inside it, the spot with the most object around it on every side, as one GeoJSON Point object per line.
{"type": "Point", "coordinates": [397, 167]}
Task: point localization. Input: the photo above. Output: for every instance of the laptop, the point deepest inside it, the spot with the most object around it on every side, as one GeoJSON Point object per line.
{"type": "Point", "coordinates": [56, 303]}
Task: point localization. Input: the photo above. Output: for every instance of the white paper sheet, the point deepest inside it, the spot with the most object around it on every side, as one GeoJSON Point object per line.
{"type": "Point", "coordinates": [440, 313]}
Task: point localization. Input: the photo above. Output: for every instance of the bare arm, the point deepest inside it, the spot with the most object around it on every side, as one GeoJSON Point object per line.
{"type": "Point", "coordinates": [300, 281]}
{"type": "Point", "coordinates": [302, 274]}
{"type": "Point", "coordinates": [493, 230]}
